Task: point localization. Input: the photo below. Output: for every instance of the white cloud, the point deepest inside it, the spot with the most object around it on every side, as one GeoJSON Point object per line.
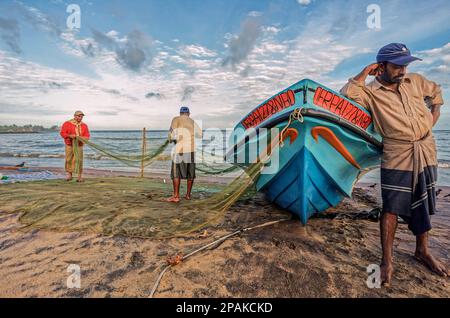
{"type": "Point", "coordinates": [196, 51]}
{"type": "Point", "coordinates": [272, 29]}
{"type": "Point", "coordinates": [270, 47]}
{"type": "Point", "coordinates": [57, 93]}
{"type": "Point", "coordinates": [218, 95]}
{"type": "Point", "coordinates": [177, 59]}
{"type": "Point", "coordinates": [38, 19]}
{"type": "Point", "coordinates": [304, 2]}
{"type": "Point", "coordinates": [255, 14]}
{"type": "Point", "coordinates": [435, 65]}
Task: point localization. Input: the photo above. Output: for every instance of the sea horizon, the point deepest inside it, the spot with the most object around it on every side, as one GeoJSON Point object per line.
{"type": "Point", "coordinates": [46, 149]}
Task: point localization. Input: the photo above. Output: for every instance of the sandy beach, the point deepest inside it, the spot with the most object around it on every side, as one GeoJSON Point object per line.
{"type": "Point", "coordinates": [326, 258]}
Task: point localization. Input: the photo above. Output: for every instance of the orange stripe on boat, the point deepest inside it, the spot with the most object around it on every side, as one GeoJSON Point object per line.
{"type": "Point", "coordinates": [292, 133]}
{"type": "Point", "coordinates": [333, 140]}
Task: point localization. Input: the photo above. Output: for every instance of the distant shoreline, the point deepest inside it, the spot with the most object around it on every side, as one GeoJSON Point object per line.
{"type": "Point", "coordinates": [22, 132]}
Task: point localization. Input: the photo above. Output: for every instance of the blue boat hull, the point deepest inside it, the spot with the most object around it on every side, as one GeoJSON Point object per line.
{"type": "Point", "coordinates": [320, 162]}
{"type": "Point", "coordinates": [302, 187]}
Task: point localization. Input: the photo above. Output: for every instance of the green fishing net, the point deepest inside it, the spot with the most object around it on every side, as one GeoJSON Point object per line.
{"type": "Point", "coordinates": [132, 207]}
{"type": "Point", "coordinates": [208, 163]}
{"type": "Point", "coordinates": [135, 160]}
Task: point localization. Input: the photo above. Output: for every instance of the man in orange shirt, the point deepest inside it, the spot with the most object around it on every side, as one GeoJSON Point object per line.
{"type": "Point", "coordinates": [69, 131]}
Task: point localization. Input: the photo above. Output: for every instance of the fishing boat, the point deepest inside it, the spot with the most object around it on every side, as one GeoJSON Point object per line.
{"type": "Point", "coordinates": [325, 143]}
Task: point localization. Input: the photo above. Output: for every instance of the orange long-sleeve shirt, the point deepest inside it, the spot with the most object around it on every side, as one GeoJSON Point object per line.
{"type": "Point", "coordinates": [70, 128]}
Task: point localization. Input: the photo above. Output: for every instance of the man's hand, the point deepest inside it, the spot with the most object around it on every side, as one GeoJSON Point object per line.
{"type": "Point", "coordinates": [436, 112]}
{"type": "Point", "coordinates": [72, 136]}
{"type": "Point", "coordinates": [372, 70]}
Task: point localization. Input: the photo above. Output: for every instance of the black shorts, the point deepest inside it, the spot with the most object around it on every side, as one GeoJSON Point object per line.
{"type": "Point", "coordinates": [183, 166]}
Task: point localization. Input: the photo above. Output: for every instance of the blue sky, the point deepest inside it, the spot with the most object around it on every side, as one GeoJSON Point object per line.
{"type": "Point", "coordinates": [132, 64]}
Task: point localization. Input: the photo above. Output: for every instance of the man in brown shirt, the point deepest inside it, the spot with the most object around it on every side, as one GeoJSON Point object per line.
{"type": "Point", "coordinates": [405, 108]}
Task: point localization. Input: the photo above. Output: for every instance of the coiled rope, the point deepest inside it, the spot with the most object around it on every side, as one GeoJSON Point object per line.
{"type": "Point", "coordinates": [179, 259]}
{"type": "Point", "coordinates": [295, 115]}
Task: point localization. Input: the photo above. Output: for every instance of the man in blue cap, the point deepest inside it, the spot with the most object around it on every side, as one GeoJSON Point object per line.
{"type": "Point", "coordinates": [404, 108]}
{"type": "Point", "coordinates": [183, 131]}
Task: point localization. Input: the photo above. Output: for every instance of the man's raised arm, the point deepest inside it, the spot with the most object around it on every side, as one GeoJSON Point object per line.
{"type": "Point", "coordinates": [354, 89]}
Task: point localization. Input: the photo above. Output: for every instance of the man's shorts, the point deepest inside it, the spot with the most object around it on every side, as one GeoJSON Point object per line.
{"type": "Point", "coordinates": [183, 166]}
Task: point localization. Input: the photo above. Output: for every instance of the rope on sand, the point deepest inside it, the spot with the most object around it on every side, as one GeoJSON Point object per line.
{"type": "Point", "coordinates": [216, 242]}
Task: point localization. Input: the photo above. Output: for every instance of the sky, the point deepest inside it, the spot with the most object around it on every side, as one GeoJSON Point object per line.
{"type": "Point", "coordinates": [132, 64]}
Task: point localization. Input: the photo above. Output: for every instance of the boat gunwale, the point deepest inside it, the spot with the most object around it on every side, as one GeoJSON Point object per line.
{"type": "Point", "coordinates": [314, 113]}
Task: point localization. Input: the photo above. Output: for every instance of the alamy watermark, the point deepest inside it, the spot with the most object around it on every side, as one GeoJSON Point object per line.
{"type": "Point", "coordinates": [74, 19]}
{"type": "Point", "coordinates": [374, 278]}
{"type": "Point", "coordinates": [74, 279]}
{"type": "Point", "coordinates": [374, 19]}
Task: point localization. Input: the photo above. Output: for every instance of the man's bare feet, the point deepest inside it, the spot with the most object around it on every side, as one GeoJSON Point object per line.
{"type": "Point", "coordinates": [80, 180]}
{"type": "Point", "coordinates": [173, 199]}
{"type": "Point", "coordinates": [433, 264]}
{"type": "Point", "coordinates": [69, 177]}
{"type": "Point", "coordinates": [187, 197]}
{"type": "Point", "coordinates": [387, 270]}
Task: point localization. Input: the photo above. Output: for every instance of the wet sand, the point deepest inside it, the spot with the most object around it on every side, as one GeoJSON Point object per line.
{"type": "Point", "coordinates": [326, 258]}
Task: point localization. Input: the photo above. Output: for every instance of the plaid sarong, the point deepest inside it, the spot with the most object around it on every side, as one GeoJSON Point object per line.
{"type": "Point", "coordinates": [408, 181]}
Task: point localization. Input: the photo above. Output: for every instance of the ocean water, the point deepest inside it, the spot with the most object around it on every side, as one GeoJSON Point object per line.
{"type": "Point", "coordinates": [47, 150]}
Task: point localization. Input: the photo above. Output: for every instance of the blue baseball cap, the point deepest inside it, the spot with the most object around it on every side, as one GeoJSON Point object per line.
{"type": "Point", "coordinates": [396, 53]}
{"type": "Point", "coordinates": [184, 109]}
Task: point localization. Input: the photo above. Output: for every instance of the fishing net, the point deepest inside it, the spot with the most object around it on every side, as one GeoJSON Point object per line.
{"type": "Point", "coordinates": [208, 163]}
{"type": "Point", "coordinates": [132, 207]}
{"type": "Point", "coordinates": [135, 160]}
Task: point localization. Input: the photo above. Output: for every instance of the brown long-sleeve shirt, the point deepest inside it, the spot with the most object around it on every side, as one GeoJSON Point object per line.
{"type": "Point", "coordinates": [400, 115]}
{"type": "Point", "coordinates": [403, 120]}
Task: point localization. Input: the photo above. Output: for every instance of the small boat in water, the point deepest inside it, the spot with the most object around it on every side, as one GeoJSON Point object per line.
{"type": "Point", "coordinates": [326, 143]}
